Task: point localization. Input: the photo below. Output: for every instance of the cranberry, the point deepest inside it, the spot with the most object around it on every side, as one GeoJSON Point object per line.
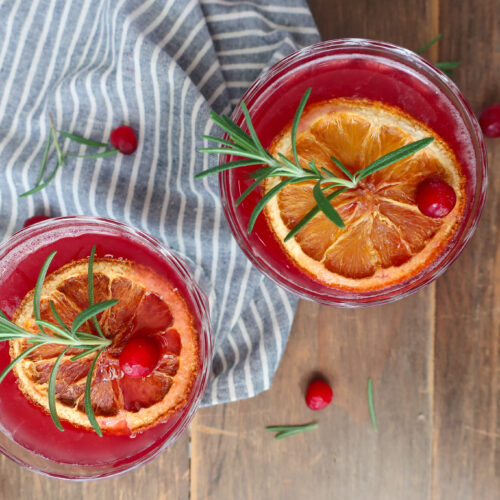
{"type": "Point", "coordinates": [34, 220]}
{"type": "Point", "coordinates": [140, 357]}
{"type": "Point", "coordinates": [490, 121]}
{"type": "Point", "coordinates": [318, 395]}
{"type": "Point", "coordinates": [124, 139]}
{"type": "Point", "coordinates": [435, 198]}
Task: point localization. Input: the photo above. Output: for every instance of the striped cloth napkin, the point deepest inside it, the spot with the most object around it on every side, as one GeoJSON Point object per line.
{"type": "Point", "coordinates": [159, 66]}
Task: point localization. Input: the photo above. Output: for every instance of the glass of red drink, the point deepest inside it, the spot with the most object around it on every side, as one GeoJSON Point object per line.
{"type": "Point", "coordinates": [28, 435]}
{"type": "Point", "coordinates": [363, 69]}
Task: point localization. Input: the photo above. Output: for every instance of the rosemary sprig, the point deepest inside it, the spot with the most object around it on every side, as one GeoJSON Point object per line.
{"type": "Point", "coordinates": [52, 391]}
{"type": "Point", "coordinates": [248, 146]}
{"type": "Point", "coordinates": [45, 158]}
{"type": "Point", "coordinates": [284, 431]}
{"type": "Point", "coordinates": [62, 334]}
{"type": "Point", "coordinates": [91, 290]}
{"type": "Point", "coordinates": [444, 66]}
{"type": "Point", "coordinates": [371, 406]}
{"type": "Point", "coordinates": [447, 66]}
{"type": "Point", "coordinates": [61, 157]}
{"type": "Point", "coordinates": [429, 44]}
{"type": "Point", "coordinates": [88, 403]}
{"type": "Point", "coordinates": [104, 154]}
{"type": "Point", "coordinates": [82, 140]}
{"type": "Point", "coordinates": [38, 287]}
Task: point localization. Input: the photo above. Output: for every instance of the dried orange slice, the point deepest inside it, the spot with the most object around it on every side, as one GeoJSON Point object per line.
{"type": "Point", "coordinates": [149, 305]}
{"type": "Point", "coordinates": [386, 238]}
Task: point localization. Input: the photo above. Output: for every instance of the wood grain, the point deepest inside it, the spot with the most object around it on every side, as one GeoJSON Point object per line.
{"type": "Point", "coordinates": [165, 478]}
{"type": "Point", "coordinates": [467, 366]}
{"type": "Point", "coordinates": [234, 458]}
{"type": "Point", "coordinates": [404, 22]}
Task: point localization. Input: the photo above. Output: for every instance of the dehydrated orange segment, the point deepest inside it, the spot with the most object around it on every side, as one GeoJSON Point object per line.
{"type": "Point", "coordinates": [380, 141]}
{"type": "Point", "coordinates": [354, 254]}
{"type": "Point", "coordinates": [76, 290]}
{"type": "Point", "coordinates": [320, 233]}
{"type": "Point", "coordinates": [295, 201]}
{"type": "Point", "coordinates": [399, 181]}
{"type": "Point", "coordinates": [68, 372]}
{"type": "Point", "coordinates": [386, 238]}
{"type": "Point", "coordinates": [152, 315]}
{"type": "Point", "coordinates": [388, 243]}
{"type": "Point", "coordinates": [310, 149]}
{"type": "Point", "coordinates": [416, 229]}
{"type": "Point", "coordinates": [64, 307]}
{"type": "Point", "coordinates": [70, 394]}
{"type": "Point", "coordinates": [118, 319]}
{"type": "Point", "coordinates": [137, 394]}
{"type": "Point", "coordinates": [48, 351]}
{"type": "Point", "coordinates": [168, 365]}
{"type": "Point", "coordinates": [343, 134]}
{"type": "Point", "coordinates": [70, 382]}
{"type": "Point", "coordinates": [148, 304]}
{"type": "Point", "coordinates": [171, 341]}
{"type": "Point", "coordinates": [317, 237]}
{"type": "Point", "coordinates": [104, 391]}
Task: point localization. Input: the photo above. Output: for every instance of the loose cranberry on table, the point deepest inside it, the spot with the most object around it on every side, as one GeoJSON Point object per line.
{"type": "Point", "coordinates": [490, 121]}
{"type": "Point", "coordinates": [435, 198]}
{"type": "Point", "coordinates": [318, 395]}
{"type": "Point", "coordinates": [140, 357]}
{"type": "Point", "coordinates": [34, 220]}
{"type": "Point", "coordinates": [124, 139]}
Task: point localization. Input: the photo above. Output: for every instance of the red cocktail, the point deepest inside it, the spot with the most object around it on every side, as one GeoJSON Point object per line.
{"type": "Point", "coordinates": [29, 436]}
{"type": "Point", "coordinates": [363, 70]}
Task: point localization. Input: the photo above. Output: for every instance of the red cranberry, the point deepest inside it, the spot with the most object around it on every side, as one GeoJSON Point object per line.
{"type": "Point", "coordinates": [318, 395]}
{"type": "Point", "coordinates": [435, 198]}
{"type": "Point", "coordinates": [34, 220]}
{"type": "Point", "coordinates": [140, 357]}
{"type": "Point", "coordinates": [124, 139]}
{"type": "Point", "coordinates": [490, 121]}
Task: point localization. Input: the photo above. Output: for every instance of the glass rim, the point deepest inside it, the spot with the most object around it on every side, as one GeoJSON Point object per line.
{"type": "Point", "coordinates": [198, 299]}
{"type": "Point", "coordinates": [426, 71]}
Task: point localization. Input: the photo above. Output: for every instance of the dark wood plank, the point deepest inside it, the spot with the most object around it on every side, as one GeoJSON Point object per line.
{"type": "Point", "coordinates": [233, 457]}
{"type": "Point", "coordinates": [404, 22]}
{"type": "Point", "coordinates": [164, 478]}
{"type": "Point", "coordinates": [467, 365]}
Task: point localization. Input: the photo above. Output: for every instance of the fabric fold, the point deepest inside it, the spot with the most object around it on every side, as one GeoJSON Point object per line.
{"type": "Point", "coordinates": [161, 67]}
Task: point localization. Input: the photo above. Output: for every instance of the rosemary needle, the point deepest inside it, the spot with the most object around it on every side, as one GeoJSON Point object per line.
{"type": "Point", "coordinates": [284, 431]}
{"type": "Point", "coordinates": [371, 407]}
{"type": "Point", "coordinates": [444, 66]}
{"type": "Point", "coordinates": [429, 44]}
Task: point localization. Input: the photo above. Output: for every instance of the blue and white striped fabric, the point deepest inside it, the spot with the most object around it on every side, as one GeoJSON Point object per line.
{"type": "Point", "coordinates": [159, 66]}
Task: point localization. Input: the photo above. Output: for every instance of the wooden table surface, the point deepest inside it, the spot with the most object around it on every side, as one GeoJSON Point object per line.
{"type": "Point", "coordinates": [434, 357]}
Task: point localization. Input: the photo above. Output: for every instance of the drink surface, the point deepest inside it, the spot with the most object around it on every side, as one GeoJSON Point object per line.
{"type": "Point", "coordinates": [27, 424]}
{"type": "Point", "coordinates": [344, 75]}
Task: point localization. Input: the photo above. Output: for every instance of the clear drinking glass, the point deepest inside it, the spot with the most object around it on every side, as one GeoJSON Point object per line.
{"type": "Point", "coordinates": [28, 435]}
{"type": "Point", "coordinates": [354, 68]}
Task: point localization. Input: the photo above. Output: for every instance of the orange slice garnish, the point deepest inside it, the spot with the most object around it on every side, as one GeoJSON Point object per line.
{"type": "Point", "coordinates": [386, 238]}
{"type": "Point", "coordinates": [149, 305]}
